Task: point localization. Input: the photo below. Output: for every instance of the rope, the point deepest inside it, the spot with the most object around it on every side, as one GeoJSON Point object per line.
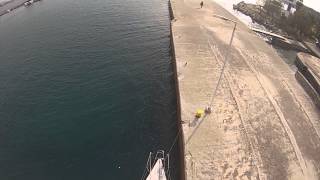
{"type": "Point", "coordinates": [211, 102]}
{"type": "Point", "coordinates": [175, 140]}
{"type": "Point", "coordinates": [171, 147]}
{"type": "Point", "coordinates": [146, 169]}
{"type": "Point", "coordinates": [144, 173]}
{"type": "Point", "coordinates": [218, 84]}
{"type": "Point", "coordinates": [224, 65]}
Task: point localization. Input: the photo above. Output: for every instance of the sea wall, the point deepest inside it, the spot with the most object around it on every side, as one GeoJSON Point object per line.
{"type": "Point", "coordinates": [12, 5]}
{"type": "Point", "coordinates": [314, 50]}
{"type": "Point", "coordinates": [308, 75]}
{"type": "Point", "coordinates": [308, 69]}
{"type": "Point", "coordinates": [308, 88]}
{"type": "Point", "coordinates": [290, 44]}
{"type": "Point", "coordinates": [179, 125]}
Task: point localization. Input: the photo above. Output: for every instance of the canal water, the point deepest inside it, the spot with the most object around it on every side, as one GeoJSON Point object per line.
{"type": "Point", "coordinates": [86, 90]}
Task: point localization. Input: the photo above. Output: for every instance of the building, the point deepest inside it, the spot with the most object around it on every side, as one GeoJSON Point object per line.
{"type": "Point", "coordinates": [290, 6]}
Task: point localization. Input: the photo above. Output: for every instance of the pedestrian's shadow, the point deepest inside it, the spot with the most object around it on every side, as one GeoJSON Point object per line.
{"type": "Point", "coordinates": [197, 120]}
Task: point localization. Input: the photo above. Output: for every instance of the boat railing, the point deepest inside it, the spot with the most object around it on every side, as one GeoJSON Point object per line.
{"type": "Point", "coordinates": [152, 160]}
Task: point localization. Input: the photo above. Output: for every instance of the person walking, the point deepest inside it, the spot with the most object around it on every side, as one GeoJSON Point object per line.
{"type": "Point", "coordinates": [201, 4]}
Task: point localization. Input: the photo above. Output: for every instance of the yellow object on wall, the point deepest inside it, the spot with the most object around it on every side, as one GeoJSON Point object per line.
{"type": "Point", "coordinates": [199, 113]}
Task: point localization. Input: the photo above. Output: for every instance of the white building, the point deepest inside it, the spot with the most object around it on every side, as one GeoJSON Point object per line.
{"type": "Point", "coordinates": [290, 6]}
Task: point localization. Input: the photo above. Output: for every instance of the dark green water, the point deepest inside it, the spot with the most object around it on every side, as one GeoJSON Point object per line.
{"type": "Point", "coordinates": [86, 89]}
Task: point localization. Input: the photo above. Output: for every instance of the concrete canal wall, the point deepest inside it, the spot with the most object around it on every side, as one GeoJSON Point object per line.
{"type": "Point", "coordinates": [308, 75]}
{"type": "Point", "coordinates": [180, 136]}
{"type": "Point", "coordinates": [12, 5]}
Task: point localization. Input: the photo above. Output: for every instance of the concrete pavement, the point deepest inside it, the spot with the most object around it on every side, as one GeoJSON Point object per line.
{"type": "Point", "coordinates": [263, 125]}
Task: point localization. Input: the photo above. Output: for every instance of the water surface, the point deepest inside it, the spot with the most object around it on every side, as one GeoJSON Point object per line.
{"type": "Point", "coordinates": [86, 89]}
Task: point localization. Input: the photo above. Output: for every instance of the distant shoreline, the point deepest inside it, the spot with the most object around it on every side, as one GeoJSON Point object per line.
{"type": "Point", "coordinates": [8, 7]}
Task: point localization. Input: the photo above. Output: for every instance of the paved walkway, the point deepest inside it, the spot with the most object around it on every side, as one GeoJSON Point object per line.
{"type": "Point", "coordinates": [263, 124]}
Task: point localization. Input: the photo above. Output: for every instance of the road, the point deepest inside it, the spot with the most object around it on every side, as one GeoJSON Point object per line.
{"type": "Point", "coordinates": [263, 124]}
